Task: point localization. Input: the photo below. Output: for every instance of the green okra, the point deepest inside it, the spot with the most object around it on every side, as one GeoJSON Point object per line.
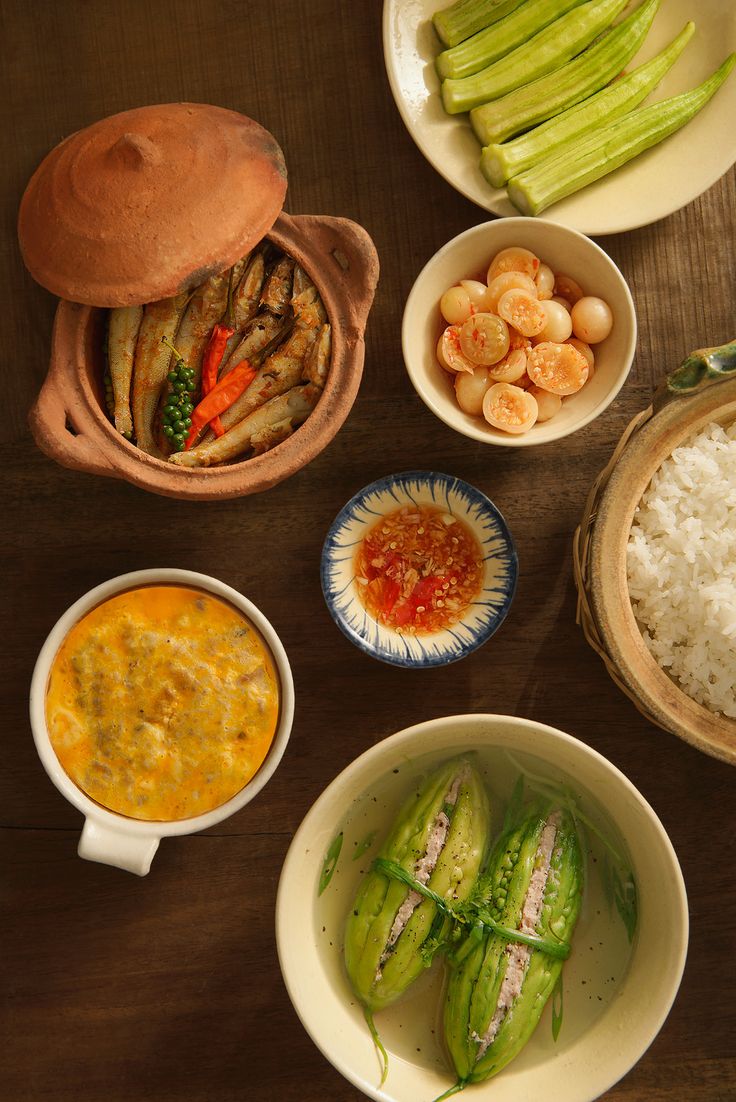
{"type": "Point", "coordinates": [579, 78]}
{"type": "Point", "coordinates": [545, 52]}
{"type": "Point", "coordinates": [465, 17]}
{"type": "Point", "coordinates": [497, 989]}
{"type": "Point", "coordinates": [390, 933]}
{"type": "Point", "coordinates": [574, 165]}
{"type": "Point", "coordinates": [500, 161]}
{"type": "Point", "coordinates": [491, 43]}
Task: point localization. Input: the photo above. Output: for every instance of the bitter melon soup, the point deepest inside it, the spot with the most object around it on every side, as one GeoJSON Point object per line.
{"type": "Point", "coordinates": [162, 702]}
{"type": "Point", "coordinates": [415, 995]}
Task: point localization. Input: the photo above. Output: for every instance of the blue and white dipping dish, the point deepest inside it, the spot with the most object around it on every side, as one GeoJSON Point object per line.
{"type": "Point", "coordinates": [482, 618]}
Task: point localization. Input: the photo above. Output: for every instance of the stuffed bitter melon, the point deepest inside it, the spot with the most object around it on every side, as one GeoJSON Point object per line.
{"type": "Point", "coordinates": [440, 838]}
{"type": "Point", "coordinates": [498, 987]}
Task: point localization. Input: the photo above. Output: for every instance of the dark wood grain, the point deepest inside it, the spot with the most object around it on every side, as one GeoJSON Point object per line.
{"type": "Point", "coordinates": [168, 989]}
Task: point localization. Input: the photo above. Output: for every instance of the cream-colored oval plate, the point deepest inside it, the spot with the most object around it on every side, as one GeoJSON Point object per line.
{"type": "Point", "coordinates": [668, 705]}
{"type": "Point", "coordinates": [650, 187]}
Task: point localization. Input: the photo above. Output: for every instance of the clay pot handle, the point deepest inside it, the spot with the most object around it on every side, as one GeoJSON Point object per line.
{"type": "Point", "coordinates": [701, 368]}
{"type": "Point", "coordinates": [354, 263]}
{"type": "Point", "coordinates": [55, 433]}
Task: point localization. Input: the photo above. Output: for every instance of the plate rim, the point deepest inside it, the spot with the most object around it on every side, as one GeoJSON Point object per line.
{"type": "Point", "coordinates": [494, 206]}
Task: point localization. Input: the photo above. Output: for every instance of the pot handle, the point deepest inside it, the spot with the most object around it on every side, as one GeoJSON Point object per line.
{"type": "Point", "coordinates": [352, 252]}
{"type": "Point", "coordinates": [700, 369]}
{"type": "Point", "coordinates": [109, 846]}
{"type": "Point", "coordinates": [56, 434]}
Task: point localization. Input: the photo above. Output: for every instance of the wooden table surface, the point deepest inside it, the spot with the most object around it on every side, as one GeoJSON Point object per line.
{"type": "Point", "coordinates": [167, 988]}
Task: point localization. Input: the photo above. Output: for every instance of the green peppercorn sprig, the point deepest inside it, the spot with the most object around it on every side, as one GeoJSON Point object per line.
{"type": "Point", "coordinates": [177, 412]}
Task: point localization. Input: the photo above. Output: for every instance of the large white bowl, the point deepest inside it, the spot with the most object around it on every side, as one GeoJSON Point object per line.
{"type": "Point", "coordinates": [467, 256]}
{"type": "Point", "coordinates": [107, 836]}
{"type": "Point", "coordinates": [616, 995]}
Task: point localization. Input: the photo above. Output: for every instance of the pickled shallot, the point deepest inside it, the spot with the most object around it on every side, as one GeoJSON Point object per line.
{"type": "Point", "coordinates": [592, 319]}
{"type": "Point", "coordinates": [450, 354]}
{"type": "Point", "coordinates": [418, 569]}
{"type": "Point", "coordinates": [558, 368]}
{"type": "Point", "coordinates": [510, 408]}
{"type": "Point", "coordinates": [523, 311]}
{"type": "Point", "coordinates": [558, 323]}
{"type": "Point", "coordinates": [484, 338]}
{"type": "Point", "coordinates": [470, 390]}
{"type": "Point", "coordinates": [520, 343]}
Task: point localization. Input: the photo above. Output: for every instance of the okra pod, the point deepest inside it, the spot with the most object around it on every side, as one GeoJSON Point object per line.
{"type": "Point", "coordinates": [440, 838]}
{"type": "Point", "coordinates": [498, 988]}
{"type": "Point", "coordinates": [499, 162]}
{"type": "Point", "coordinates": [579, 78]}
{"type": "Point", "coordinates": [546, 51]}
{"type": "Point", "coordinates": [573, 165]}
{"type": "Point", "coordinates": [491, 43]}
{"type": "Point", "coordinates": [465, 17]}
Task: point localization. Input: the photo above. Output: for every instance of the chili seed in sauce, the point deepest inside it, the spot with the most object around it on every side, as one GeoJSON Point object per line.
{"type": "Point", "coordinates": [419, 569]}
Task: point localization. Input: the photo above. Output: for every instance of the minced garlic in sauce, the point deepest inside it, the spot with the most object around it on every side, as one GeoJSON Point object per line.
{"type": "Point", "coordinates": [162, 702]}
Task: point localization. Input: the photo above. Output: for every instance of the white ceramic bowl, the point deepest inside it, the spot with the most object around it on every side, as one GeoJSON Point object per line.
{"type": "Point", "coordinates": [107, 836]}
{"type": "Point", "coordinates": [468, 256]}
{"type": "Point", "coordinates": [616, 995]}
{"type": "Point", "coordinates": [484, 616]}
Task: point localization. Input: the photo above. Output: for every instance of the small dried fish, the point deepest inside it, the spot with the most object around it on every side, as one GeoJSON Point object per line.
{"type": "Point", "coordinates": [301, 284]}
{"type": "Point", "coordinates": [205, 309]}
{"type": "Point", "coordinates": [317, 359]}
{"type": "Point", "coordinates": [294, 407]}
{"type": "Point", "coordinates": [123, 325]}
{"type": "Point", "coordinates": [268, 438]}
{"type": "Point", "coordinates": [276, 293]}
{"type": "Point", "coordinates": [238, 268]}
{"type": "Point", "coordinates": [282, 370]}
{"type": "Point", "coordinates": [258, 333]}
{"type": "Point", "coordinates": [150, 366]}
{"type": "Point", "coordinates": [245, 300]}
{"type": "Point", "coordinates": [306, 303]}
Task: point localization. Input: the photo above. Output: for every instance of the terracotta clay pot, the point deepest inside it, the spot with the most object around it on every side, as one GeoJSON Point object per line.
{"type": "Point", "coordinates": [68, 420]}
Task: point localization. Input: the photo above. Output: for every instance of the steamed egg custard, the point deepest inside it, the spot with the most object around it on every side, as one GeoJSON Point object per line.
{"type": "Point", "coordinates": [162, 702]}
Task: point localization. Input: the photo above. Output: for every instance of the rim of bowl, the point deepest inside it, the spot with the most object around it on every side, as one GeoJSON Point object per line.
{"type": "Point", "coordinates": [89, 600]}
{"type": "Point", "coordinates": [385, 483]}
{"type": "Point", "coordinates": [396, 742]}
{"type": "Point", "coordinates": [501, 225]}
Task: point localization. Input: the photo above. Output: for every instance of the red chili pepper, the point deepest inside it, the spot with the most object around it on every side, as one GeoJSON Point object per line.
{"type": "Point", "coordinates": [211, 361]}
{"type": "Point", "coordinates": [419, 596]}
{"type": "Point", "coordinates": [390, 595]}
{"type": "Point", "coordinates": [220, 398]}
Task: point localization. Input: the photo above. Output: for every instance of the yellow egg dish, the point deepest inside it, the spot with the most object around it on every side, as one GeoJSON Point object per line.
{"type": "Point", "coordinates": [162, 702]}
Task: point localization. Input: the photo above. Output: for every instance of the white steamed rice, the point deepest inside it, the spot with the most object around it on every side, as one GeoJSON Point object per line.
{"type": "Point", "coordinates": [681, 564]}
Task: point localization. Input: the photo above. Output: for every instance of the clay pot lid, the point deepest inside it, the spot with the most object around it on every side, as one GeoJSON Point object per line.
{"type": "Point", "coordinates": [144, 204]}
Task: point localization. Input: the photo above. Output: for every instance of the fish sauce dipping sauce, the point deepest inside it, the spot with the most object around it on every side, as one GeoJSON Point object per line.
{"type": "Point", "coordinates": [418, 569]}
